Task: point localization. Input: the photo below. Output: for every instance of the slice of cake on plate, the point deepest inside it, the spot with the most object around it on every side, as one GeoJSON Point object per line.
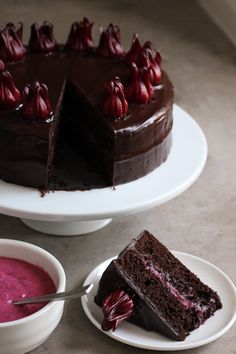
{"type": "Point", "coordinates": [150, 287]}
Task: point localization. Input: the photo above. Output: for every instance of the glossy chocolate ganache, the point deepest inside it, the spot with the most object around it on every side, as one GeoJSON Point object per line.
{"type": "Point", "coordinates": [80, 116]}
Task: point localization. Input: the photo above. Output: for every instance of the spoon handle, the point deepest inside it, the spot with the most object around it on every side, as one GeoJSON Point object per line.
{"type": "Point", "coordinates": [65, 295]}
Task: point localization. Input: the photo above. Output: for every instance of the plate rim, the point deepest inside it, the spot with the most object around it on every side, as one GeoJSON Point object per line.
{"type": "Point", "coordinates": [179, 345]}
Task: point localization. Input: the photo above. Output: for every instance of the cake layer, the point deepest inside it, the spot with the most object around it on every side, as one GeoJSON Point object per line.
{"type": "Point", "coordinates": [24, 150]}
{"type": "Point", "coordinates": [136, 135]}
{"type": "Point", "coordinates": [140, 165]}
{"type": "Point", "coordinates": [166, 268]}
{"type": "Point", "coordinates": [167, 296]}
{"type": "Point", "coordinates": [143, 316]}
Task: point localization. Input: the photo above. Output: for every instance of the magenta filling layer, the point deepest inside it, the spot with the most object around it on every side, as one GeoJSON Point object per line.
{"type": "Point", "coordinates": [164, 278]}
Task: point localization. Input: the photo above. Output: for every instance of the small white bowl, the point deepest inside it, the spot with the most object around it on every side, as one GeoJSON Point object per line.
{"type": "Point", "coordinates": [23, 335]}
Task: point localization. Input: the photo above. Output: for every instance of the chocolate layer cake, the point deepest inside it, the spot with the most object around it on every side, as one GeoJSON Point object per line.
{"type": "Point", "coordinates": [110, 107]}
{"type": "Point", "coordinates": [150, 287]}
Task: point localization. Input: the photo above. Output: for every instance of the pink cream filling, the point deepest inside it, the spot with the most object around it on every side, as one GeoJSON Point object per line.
{"type": "Point", "coordinates": [18, 280]}
{"type": "Point", "coordinates": [164, 280]}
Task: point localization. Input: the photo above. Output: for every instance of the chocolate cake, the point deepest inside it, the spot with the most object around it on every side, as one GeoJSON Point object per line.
{"type": "Point", "coordinates": [110, 107]}
{"type": "Point", "coordinates": [150, 287]}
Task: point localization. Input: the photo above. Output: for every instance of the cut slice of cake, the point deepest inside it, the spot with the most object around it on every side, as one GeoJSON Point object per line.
{"type": "Point", "coordinates": [150, 287]}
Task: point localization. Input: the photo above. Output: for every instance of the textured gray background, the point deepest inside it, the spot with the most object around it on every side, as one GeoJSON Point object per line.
{"type": "Point", "coordinates": [201, 63]}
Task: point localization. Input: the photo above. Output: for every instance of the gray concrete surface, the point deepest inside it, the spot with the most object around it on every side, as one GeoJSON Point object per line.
{"type": "Point", "coordinates": [201, 63]}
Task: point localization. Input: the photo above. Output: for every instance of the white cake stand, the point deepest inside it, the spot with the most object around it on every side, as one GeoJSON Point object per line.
{"type": "Point", "coordinates": [79, 212]}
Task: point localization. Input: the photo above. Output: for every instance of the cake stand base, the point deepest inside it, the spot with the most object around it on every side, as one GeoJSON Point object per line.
{"type": "Point", "coordinates": [66, 228]}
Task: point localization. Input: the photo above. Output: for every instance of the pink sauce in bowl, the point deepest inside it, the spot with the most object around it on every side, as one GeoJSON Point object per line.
{"type": "Point", "coordinates": [20, 279]}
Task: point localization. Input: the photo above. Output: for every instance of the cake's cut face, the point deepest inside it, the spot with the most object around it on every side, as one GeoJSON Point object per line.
{"type": "Point", "coordinates": [168, 297]}
{"type": "Point", "coordinates": [110, 107]}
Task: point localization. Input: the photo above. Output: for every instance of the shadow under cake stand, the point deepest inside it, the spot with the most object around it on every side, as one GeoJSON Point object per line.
{"type": "Point", "coordinates": [79, 212]}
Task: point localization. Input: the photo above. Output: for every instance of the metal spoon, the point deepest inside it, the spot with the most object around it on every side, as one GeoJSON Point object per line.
{"type": "Point", "coordinates": [65, 295]}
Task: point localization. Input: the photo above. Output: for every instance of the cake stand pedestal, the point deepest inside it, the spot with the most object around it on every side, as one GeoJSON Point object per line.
{"type": "Point", "coordinates": [63, 228]}
{"type": "Point", "coordinates": [79, 212]}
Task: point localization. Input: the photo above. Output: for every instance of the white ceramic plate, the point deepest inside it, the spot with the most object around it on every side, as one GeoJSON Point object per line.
{"type": "Point", "coordinates": [183, 166]}
{"type": "Point", "coordinates": [213, 328]}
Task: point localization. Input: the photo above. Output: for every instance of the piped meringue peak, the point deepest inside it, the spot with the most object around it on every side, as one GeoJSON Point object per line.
{"type": "Point", "coordinates": [139, 89]}
{"type": "Point", "coordinates": [36, 104]}
{"type": "Point", "coordinates": [147, 60]}
{"type": "Point", "coordinates": [110, 42]}
{"type": "Point", "coordinates": [9, 94]}
{"type": "Point", "coordinates": [114, 104]}
{"type": "Point", "coordinates": [117, 307]}
{"type": "Point", "coordinates": [11, 46]}
{"type": "Point", "coordinates": [42, 38]}
{"type": "Point", "coordinates": [143, 56]}
{"type": "Point", "coordinates": [80, 36]}
{"type": "Point", "coordinates": [133, 55]}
